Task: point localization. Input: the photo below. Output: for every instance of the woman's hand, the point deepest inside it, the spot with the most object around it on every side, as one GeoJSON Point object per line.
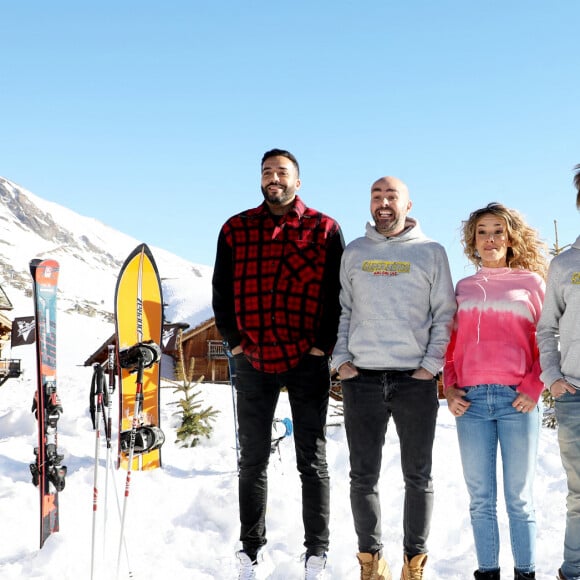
{"type": "Point", "coordinates": [524, 403]}
{"type": "Point", "coordinates": [456, 402]}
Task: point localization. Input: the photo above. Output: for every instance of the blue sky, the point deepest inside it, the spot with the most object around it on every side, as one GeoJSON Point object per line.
{"type": "Point", "coordinates": [153, 116]}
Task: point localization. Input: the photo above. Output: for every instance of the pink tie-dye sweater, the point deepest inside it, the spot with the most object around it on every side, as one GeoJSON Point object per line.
{"type": "Point", "coordinates": [494, 332]}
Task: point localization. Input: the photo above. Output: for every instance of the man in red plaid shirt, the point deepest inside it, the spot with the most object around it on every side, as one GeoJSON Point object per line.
{"type": "Point", "coordinates": [275, 299]}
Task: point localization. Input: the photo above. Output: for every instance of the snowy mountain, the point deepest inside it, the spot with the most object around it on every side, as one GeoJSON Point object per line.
{"type": "Point", "coordinates": [90, 255]}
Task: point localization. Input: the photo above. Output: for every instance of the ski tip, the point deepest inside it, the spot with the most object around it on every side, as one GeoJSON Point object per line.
{"type": "Point", "coordinates": [38, 263]}
{"type": "Point", "coordinates": [33, 265]}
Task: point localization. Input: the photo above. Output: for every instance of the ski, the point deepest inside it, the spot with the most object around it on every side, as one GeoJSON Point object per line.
{"type": "Point", "coordinates": [48, 474]}
{"type": "Point", "coordinates": [138, 326]}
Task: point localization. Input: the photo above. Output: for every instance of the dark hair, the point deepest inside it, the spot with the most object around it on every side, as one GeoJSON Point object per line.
{"type": "Point", "coordinates": [577, 184]}
{"type": "Point", "coordinates": [281, 153]}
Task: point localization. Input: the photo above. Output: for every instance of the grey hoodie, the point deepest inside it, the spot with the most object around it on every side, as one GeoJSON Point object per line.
{"type": "Point", "coordinates": [558, 331]}
{"type": "Point", "coordinates": [397, 301]}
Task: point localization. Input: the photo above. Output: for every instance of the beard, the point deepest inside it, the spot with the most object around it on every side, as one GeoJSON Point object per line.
{"type": "Point", "coordinates": [385, 227]}
{"type": "Point", "coordinates": [279, 198]}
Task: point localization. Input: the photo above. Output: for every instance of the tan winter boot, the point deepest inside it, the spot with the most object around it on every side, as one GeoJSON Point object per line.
{"type": "Point", "coordinates": [373, 567]}
{"type": "Point", "coordinates": [413, 569]}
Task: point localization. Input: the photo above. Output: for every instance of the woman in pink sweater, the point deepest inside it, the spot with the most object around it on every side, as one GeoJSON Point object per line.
{"type": "Point", "coordinates": [492, 379]}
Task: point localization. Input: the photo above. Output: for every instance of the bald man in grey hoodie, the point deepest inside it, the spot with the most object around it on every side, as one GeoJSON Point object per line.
{"type": "Point", "coordinates": [559, 342]}
{"type": "Point", "coordinates": [398, 305]}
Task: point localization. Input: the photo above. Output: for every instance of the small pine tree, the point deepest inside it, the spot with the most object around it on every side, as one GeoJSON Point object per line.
{"type": "Point", "coordinates": [195, 421]}
{"type": "Point", "coordinates": [549, 417]}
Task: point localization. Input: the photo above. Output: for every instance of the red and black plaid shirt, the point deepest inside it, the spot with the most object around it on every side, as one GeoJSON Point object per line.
{"type": "Point", "coordinates": [276, 284]}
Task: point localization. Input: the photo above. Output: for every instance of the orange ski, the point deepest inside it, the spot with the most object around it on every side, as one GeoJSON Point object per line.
{"type": "Point", "coordinates": [48, 474]}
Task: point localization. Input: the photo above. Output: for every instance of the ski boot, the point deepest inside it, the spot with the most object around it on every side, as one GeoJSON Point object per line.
{"type": "Point", "coordinates": [34, 471]}
{"type": "Point", "coordinates": [56, 475]}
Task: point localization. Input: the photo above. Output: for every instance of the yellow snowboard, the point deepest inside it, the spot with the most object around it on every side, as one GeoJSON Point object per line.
{"type": "Point", "coordinates": [138, 320]}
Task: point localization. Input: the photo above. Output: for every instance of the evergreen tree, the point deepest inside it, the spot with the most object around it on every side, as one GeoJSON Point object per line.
{"type": "Point", "coordinates": [195, 421]}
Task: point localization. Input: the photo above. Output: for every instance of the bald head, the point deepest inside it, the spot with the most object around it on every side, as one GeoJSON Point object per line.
{"type": "Point", "coordinates": [390, 205]}
{"type": "Point", "coordinates": [391, 183]}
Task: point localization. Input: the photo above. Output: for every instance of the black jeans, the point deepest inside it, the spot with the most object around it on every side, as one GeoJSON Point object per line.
{"type": "Point", "coordinates": [308, 387]}
{"type": "Point", "coordinates": [370, 399]}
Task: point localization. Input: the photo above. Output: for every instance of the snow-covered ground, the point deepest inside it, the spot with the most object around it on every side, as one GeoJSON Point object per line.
{"type": "Point", "coordinates": [182, 519]}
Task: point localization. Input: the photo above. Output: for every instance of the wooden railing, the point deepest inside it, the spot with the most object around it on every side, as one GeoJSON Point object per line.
{"type": "Point", "coordinates": [215, 350]}
{"type": "Point", "coordinates": [9, 369]}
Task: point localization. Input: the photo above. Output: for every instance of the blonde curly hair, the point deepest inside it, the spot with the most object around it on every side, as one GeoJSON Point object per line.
{"type": "Point", "coordinates": [527, 250]}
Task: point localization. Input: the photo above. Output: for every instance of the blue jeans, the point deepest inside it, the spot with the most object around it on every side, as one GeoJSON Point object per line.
{"type": "Point", "coordinates": [490, 420]}
{"type": "Point", "coordinates": [568, 415]}
{"type": "Point", "coordinates": [370, 399]}
{"type": "Point", "coordinates": [308, 387]}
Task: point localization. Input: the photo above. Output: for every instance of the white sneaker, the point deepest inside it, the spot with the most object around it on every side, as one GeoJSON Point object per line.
{"type": "Point", "coordinates": [314, 567]}
{"type": "Point", "coordinates": [246, 568]}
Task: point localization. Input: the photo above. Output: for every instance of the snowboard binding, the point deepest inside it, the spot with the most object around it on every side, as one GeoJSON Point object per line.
{"type": "Point", "coordinates": [147, 438]}
{"type": "Point", "coordinates": [142, 355]}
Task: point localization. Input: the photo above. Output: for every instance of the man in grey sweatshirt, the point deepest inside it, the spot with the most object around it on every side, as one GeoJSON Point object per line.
{"type": "Point", "coordinates": [398, 305]}
{"type": "Point", "coordinates": [559, 343]}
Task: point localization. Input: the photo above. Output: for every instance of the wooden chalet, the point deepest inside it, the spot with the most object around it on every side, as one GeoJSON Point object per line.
{"type": "Point", "coordinates": [203, 352]}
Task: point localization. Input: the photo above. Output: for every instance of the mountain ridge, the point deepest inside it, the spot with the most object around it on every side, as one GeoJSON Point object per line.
{"type": "Point", "coordinates": [90, 251]}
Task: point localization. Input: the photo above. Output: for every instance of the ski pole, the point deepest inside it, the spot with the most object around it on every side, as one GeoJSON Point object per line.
{"type": "Point", "coordinates": [96, 392]}
{"type": "Point", "coordinates": [108, 423]}
{"type": "Point", "coordinates": [107, 401]}
{"type": "Point", "coordinates": [136, 411]}
{"type": "Point", "coordinates": [111, 468]}
{"type": "Point", "coordinates": [232, 370]}
{"type": "Point", "coordinates": [140, 356]}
